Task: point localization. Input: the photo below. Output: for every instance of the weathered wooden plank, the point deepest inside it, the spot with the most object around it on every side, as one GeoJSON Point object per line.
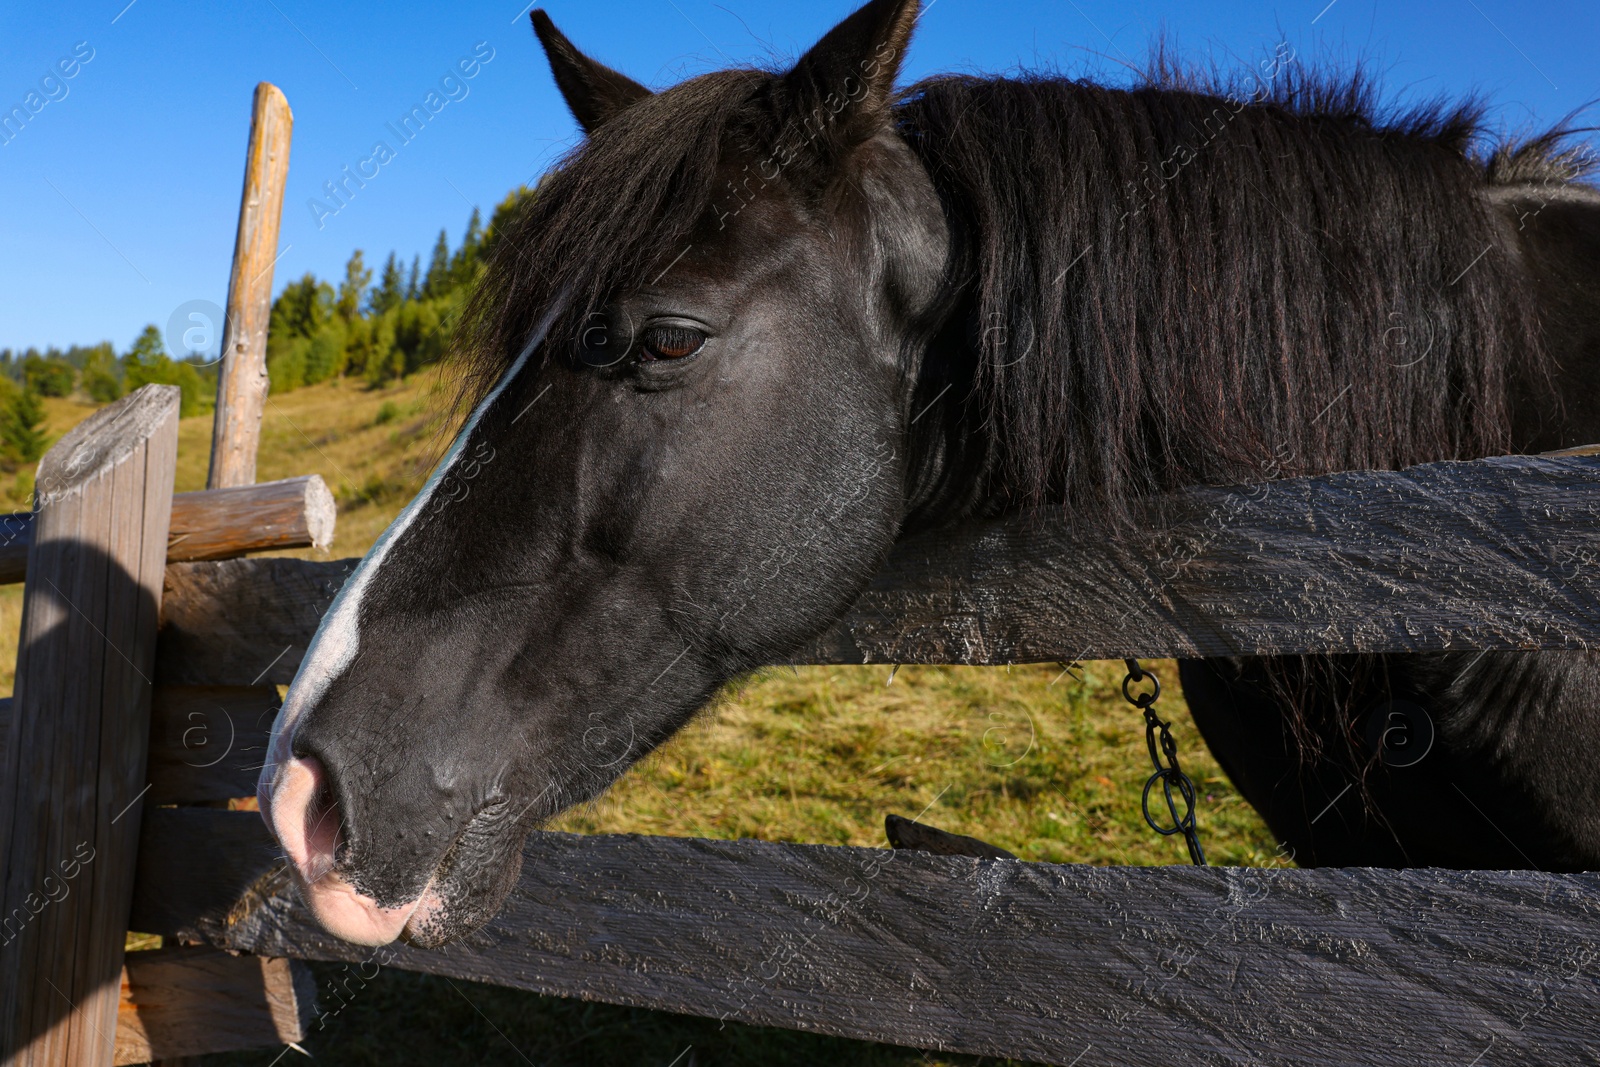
{"type": "Point", "coordinates": [1499, 553]}
{"type": "Point", "coordinates": [243, 622]}
{"type": "Point", "coordinates": [202, 862]}
{"type": "Point", "coordinates": [1496, 554]}
{"type": "Point", "coordinates": [1061, 964]}
{"type": "Point", "coordinates": [214, 523]}
{"type": "Point", "coordinates": [71, 789]}
{"type": "Point", "coordinates": [207, 743]}
{"type": "Point", "coordinates": [909, 833]}
{"type": "Point", "coordinates": [192, 1001]}
{"type": "Point", "coordinates": [242, 383]}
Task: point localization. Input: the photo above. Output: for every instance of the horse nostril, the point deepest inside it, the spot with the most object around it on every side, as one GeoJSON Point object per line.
{"type": "Point", "coordinates": [323, 825]}
{"type": "Point", "coordinates": [306, 817]}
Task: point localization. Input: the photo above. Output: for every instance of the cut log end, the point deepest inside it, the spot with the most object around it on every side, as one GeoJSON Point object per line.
{"type": "Point", "coordinates": [321, 512]}
{"type": "Point", "coordinates": [225, 523]}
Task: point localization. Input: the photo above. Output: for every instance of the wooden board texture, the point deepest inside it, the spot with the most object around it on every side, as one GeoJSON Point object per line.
{"type": "Point", "coordinates": [1062, 964]}
{"type": "Point", "coordinates": [192, 1001]}
{"type": "Point", "coordinates": [243, 622]}
{"type": "Point", "coordinates": [242, 378]}
{"type": "Point", "coordinates": [73, 778]}
{"type": "Point", "coordinates": [1494, 554]}
{"type": "Point", "coordinates": [207, 743]}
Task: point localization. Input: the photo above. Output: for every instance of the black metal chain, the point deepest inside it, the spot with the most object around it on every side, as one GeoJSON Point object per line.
{"type": "Point", "coordinates": [1168, 773]}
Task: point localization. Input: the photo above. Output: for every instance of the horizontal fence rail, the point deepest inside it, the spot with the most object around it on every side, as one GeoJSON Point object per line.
{"type": "Point", "coordinates": [1491, 554]}
{"type": "Point", "coordinates": [214, 523]}
{"type": "Point", "coordinates": [207, 743]}
{"type": "Point", "coordinates": [1063, 964]}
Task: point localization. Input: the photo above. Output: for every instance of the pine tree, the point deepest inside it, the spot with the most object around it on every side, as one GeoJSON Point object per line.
{"type": "Point", "coordinates": [466, 256]}
{"type": "Point", "coordinates": [505, 214]}
{"type": "Point", "coordinates": [390, 289]}
{"type": "Point", "coordinates": [147, 362]}
{"type": "Point", "coordinates": [148, 351]}
{"type": "Point", "coordinates": [437, 282]}
{"type": "Point", "coordinates": [22, 436]}
{"type": "Point", "coordinates": [356, 279]}
{"type": "Point", "coordinates": [413, 287]}
{"type": "Point", "coordinates": [300, 310]}
{"type": "Point", "coordinates": [49, 375]}
{"type": "Point", "coordinates": [102, 379]}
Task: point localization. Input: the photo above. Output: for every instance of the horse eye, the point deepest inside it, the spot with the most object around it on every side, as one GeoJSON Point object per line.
{"type": "Point", "coordinates": [670, 342]}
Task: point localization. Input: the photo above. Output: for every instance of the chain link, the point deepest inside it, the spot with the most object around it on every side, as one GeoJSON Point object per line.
{"type": "Point", "coordinates": [1164, 758]}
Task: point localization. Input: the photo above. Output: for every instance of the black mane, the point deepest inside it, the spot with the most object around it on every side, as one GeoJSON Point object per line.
{"type": "Point", "coordinates": [1188, 290]}
{"type": "Point", "coordinates": [1194, 282]}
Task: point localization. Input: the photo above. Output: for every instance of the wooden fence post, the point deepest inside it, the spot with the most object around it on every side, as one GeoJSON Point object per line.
{"type": "Point", "coordinates": [74, 760]}
{"type": "Point", "coordinates": [242, 381]}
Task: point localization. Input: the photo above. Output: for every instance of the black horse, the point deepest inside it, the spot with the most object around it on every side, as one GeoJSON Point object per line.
{"type": "Point", "coordinates": [761, 325]}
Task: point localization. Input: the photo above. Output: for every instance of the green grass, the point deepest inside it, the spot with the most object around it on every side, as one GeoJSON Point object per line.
{"type": "Point", "coordinates": [1046, 763]}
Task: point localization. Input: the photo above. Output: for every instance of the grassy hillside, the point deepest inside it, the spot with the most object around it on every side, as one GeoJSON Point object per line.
{"type": "Point", "coordinates": [1044, 762]}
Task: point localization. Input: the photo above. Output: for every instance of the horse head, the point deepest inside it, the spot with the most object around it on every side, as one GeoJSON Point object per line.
{"type": "Point", "coordinates": [693, 365]}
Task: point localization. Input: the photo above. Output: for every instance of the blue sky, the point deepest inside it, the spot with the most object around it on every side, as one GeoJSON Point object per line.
{"type": "Point", "coordinates": [121, 196]}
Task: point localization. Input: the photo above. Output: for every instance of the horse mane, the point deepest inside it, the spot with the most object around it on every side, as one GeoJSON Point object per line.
{"type": "Point", "coordinates": [1189, 281]}
{"type": "Point", "coordinates": [1198, 281]}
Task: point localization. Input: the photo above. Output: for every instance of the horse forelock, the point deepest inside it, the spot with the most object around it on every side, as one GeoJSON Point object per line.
{"type": "Point", "coordinates": [609, 217]}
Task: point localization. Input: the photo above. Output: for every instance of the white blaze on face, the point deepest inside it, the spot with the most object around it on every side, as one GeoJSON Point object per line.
{"type": "Point", "coordinates": [339, 635]}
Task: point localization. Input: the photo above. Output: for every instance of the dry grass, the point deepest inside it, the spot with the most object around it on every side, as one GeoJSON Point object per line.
{"type": "Point", "coordinates": [373, 464]}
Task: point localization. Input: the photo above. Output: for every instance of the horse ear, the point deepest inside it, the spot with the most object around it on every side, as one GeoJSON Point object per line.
{"type": "Point", "coordinates": [593, 91]}
{"type": "Point", "coordinates": [845, 84]}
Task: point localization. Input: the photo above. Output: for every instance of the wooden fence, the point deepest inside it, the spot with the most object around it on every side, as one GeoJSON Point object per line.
{"type": "Point", "coordinates": [75, 737]}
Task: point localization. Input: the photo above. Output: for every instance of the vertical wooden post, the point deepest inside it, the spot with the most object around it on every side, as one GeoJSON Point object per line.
{"type": "Point", "coordinates": [242, 383]}
{"type": "Point", "coordinates": [72, 787]}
